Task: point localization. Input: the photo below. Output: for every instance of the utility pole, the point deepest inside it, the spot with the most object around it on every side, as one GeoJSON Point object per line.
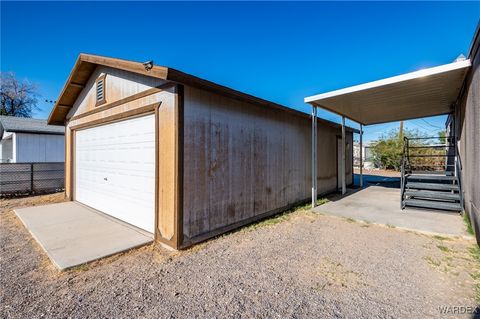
{"type": "Point", "coordinates": [400, 132]}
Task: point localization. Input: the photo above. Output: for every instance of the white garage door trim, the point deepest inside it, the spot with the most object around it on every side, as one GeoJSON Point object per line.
{"type": "Point", "coordinates": [115, 170]}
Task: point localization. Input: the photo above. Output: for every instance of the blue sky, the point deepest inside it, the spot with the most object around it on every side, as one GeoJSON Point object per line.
{"type": "Point", "coordinates": [280, 51]}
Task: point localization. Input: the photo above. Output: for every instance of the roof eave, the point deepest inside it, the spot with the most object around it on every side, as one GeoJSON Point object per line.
{"type": "Point", "coordinates": [164, 73]}
{"type": "Point", "coordinates": [475, 43]}
{"type": "Point", "coordinates": [65, 86]}
{"type": "Point", "coordinates": [34, 132]}
{"type": "Point", "coordinates": [136, 67]}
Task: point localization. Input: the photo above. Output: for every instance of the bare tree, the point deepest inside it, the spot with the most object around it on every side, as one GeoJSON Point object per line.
{"type": "Point", "coordinates": [17, 98]}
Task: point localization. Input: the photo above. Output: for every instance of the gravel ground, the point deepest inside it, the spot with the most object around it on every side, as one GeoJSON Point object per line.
{"type": "Point", "coordinates": [299, 265]}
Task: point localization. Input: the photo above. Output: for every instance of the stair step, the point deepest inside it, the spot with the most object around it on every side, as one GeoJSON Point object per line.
{"type": "Point", "coordinates": [433, 204]}
{"type": "Point", "coordinates": [433, 195]}
{"type": "Point", "coordinates": [448, 173]}
{"type": "Point", "coordinates": [432, 186]}
{"type": "Point", "coordinates": [432, 177]}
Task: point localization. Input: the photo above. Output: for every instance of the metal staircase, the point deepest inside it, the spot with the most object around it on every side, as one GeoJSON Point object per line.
{"type": "Point", "coordinates": [429, 174]}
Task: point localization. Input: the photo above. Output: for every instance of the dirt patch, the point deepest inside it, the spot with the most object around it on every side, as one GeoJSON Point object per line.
{"type": "Point", "coordinates": [302, 265]}
{"type": "Point", "coordinates": [7, 204]}
{"type": "Point", "coordinates": [378, 172]}
{"type": "Point", "coordinates": [333, 275]}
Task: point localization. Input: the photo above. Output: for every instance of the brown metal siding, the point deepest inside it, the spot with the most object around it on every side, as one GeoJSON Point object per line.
{"type": "Point", "coordinates": [243, 161]}
{"type": "Point", "coordinates": [468, 128]}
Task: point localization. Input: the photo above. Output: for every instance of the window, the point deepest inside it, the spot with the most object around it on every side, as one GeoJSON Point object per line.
{"type": "Point", "coordinates": [100, 90]}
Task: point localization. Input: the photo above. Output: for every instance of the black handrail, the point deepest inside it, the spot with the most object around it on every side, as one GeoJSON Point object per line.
{"type": "Point", "coordinates": [433, 155]}
{"type": "Point", "coordinates": [432, 146]}
{"type": "Point", "coordinates": [407, 166]}
{"type": "Point", "coordinates": [417, 159]}
{"type": "Point", "coordinates": [430, 138]}
{"type": "Point", "coordinates": [458, 172]}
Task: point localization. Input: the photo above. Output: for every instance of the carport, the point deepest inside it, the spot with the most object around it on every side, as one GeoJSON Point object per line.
{"type": "Point", "coordinates": [427, 92]}
{"type": "Point", "coordinates": [418, 94]}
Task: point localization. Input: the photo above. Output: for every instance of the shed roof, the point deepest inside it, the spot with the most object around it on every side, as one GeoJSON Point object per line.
{"type": "Point", "coordinates": [86, 64]}
{"type": "Point", "coordinates": [28, 125]}
{"type": "Point", "coordinates": [423, 93]}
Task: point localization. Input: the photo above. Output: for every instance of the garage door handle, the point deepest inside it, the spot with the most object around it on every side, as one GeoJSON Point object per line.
{"type": "Point", "coordinates": [105, 179]}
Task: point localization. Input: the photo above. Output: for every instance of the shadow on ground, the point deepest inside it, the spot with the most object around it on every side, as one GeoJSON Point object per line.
{"type": "Point", "coordinates": [376, 180]}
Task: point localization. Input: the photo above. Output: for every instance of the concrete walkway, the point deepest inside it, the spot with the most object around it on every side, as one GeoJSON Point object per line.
{"type": "Point", "coordinates": [73, 234]}
{"type": "Point", "coordinates": [381, 205]}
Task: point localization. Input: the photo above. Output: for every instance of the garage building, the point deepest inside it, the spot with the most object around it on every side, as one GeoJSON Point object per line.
{"type": "Point", "coordinates": [184, 158]}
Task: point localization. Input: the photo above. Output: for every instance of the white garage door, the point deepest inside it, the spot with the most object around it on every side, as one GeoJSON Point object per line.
{"type": "Point", "coordinates": [115, 170]}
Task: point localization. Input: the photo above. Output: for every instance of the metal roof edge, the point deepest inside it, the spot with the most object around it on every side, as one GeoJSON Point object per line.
{"type": "Point", "coordinates": [390, 80]}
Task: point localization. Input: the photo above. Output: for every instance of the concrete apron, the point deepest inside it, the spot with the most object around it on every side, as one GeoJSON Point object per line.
{"type": "Point", "coordinates": [381, 205]}
{"type": "Point", "coordinates": [73, 234]}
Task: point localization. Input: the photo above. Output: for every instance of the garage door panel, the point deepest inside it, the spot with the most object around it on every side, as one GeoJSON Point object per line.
{"type": "Point", "coordinates": [115, 170]}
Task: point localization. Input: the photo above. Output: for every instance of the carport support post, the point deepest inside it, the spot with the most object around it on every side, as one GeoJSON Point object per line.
{"type": "Point", "coordinates": [361, 155]}
{"type": "Point", "coordinates": [314, 155]}
{"type": "Point", "coordinates": [344, 186]}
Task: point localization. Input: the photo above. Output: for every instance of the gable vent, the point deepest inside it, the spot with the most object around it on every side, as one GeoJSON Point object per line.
{"type": "Point", "coordinates": [100, 90]}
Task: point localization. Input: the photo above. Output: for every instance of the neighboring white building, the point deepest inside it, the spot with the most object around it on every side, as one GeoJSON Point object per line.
{"type": "Point", "coordinates": [367, 155]}
{"type": "Point", "coordinates": [30, 140]}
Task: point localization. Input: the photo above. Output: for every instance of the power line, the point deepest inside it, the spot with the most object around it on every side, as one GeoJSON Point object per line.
{"type": "Point", "coordinates": [420, 126]}
{"type": "Point", "coordinates": [435, 126]}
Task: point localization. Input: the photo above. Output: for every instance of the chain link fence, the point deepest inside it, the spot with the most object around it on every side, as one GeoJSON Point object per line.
{"type": "Point", "coordinates": [31, 178]}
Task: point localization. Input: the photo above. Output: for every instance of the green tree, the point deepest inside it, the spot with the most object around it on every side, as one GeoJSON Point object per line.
{"type": "Point", "coordinates": [388, 150]}
{"type": "Point", "coordinates": [441, 136]}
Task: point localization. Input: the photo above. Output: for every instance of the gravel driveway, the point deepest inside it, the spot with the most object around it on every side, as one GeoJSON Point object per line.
{"type": "Point", "coordinates": [299, 265]}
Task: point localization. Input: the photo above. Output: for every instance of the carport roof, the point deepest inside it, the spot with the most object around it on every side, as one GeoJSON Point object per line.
{"type": "Point", "coordinates": [423, 93]}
